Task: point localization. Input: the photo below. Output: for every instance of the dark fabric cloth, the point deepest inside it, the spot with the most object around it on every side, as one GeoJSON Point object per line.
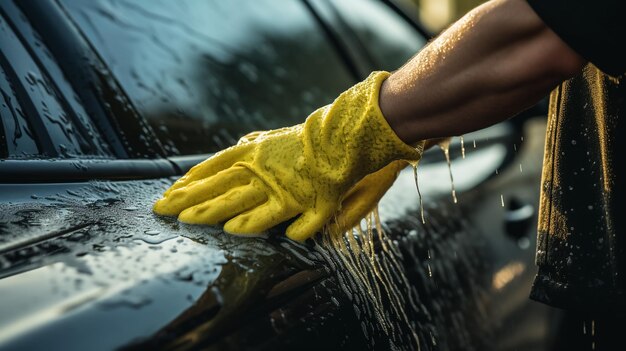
{"type": "Point", "coordinates": [582, 218]}
{"type": "Point", "coordinates": [581, 248]}
{"type": "Point", "coordinates": [594, 29]}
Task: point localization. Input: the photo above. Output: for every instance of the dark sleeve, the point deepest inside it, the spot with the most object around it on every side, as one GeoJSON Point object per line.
{"type": "Point", "coordinates": [594, 29]}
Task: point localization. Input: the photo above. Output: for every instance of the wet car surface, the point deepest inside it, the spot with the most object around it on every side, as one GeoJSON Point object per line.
{"type": "Point", "coordinates": [85, 264]}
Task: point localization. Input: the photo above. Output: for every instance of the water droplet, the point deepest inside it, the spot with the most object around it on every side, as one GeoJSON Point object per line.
{"type": "Point", "coordinates": [218, 295]}
{"type": "Point", "coordinates": [152, 240]}
{"type": "Point", "coordinates": [462, 147]}
{"type": "Point", "coordinates": [593, 327]}
{"type": "Point", "coordinates": [152, 232]}
{"type": "Point", "coordinates": [445, 147]}
{"type": "Point", "coordinates": [573, 142]}
{"type": "Point", "coordinates": [523, 243]}
{"type": "Point", "coordinates": [31, 78]}
{"type": "Point", "coordinates": [357, 311]}
{"type": "Point", "coordinates": [502, 200]}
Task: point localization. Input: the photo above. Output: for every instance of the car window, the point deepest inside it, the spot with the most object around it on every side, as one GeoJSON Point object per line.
{"type": "Point", "coordinates": [388, 39]}
{"type": "Point", "coordinates": [204, 73]}
{"type": "Point", "coordinates": [34, 119]}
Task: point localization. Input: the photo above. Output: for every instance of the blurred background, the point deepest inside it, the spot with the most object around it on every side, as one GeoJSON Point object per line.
{"type": "Point", "coordinates": [437, 14]}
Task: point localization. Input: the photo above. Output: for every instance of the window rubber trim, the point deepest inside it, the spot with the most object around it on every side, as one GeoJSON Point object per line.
{"type": "Point", "coordinates": [80, 170]}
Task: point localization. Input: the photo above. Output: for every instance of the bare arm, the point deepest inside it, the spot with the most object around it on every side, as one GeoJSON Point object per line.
{"type": "Point", "coordinates": [493, 63]}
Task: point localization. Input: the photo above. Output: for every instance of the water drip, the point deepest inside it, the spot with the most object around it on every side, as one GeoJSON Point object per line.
{"type": "Point", "coordinates": [445, 147]}
{"type": "Point", "coordinates": [367, 261]}
{"type": "Point", "coordinates": [419, 194]}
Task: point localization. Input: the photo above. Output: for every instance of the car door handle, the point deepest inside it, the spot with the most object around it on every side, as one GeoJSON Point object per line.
{"type": "Point", "coordinates": [518, 218]}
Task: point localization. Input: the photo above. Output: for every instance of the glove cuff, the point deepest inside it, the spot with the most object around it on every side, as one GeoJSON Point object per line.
{"type": "Point", "coordinates": [351, 138]}
{"type": "Point", "coordinates": [375, 143]}
{"type": "Point", "coordinates": [400, 149]}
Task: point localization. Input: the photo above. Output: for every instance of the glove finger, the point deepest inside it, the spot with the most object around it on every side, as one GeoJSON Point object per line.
{"type": "Point", "coordinates": [259, 219]}
{"type": "Point", "coordinates": [202, 190]}
{"type": "Point", "coordinates": [211, 166]}
{"type": "Point", "coordinates": [363, 197]}
{"type": "Point", "coordinates": [252, 136]}
{"type": "Point", "coordinates": [225, 206]}
{"type": "Point", "coordinates": [249, 137]}
{"type": "Point", "coordinates": [309, 223]}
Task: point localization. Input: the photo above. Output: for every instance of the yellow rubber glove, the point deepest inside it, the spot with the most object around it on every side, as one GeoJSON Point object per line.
{"type": "Point", "coordinates": [305, 170]}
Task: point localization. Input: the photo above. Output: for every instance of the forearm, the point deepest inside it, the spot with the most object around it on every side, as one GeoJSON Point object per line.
{"type": "Point", "coordinates": [493, 63]}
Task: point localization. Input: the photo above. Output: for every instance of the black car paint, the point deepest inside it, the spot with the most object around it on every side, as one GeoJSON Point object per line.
{"type": "Point", "coordinates": [86, 265]}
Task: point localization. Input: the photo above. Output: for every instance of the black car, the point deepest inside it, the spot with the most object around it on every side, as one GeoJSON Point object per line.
{"type": "Point", "coordinates": [105, 103]}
